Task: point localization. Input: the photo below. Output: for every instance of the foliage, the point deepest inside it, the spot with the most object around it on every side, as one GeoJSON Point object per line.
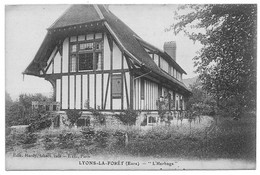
{"type": "Point", "coordinates": [20, 111]}
{"type": "Point", "coordinates": [66, 140]}
{"type": "Point", "coordinates": [40, 121]}
{"type": "Point", "coordinates": [73, 115]}
{"type": "Point", "coordinates": [227, 61]}
{"type": "Point", "coordinates": [127, 117]}
{"type": "Point", "coordinates": [227, 139]}
{"type": "Point", "coordinates": [99, 116]}
{"type": "Point", "coordinates": [201, 102]}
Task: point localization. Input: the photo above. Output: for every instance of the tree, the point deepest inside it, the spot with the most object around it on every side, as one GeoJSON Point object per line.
{"type": "Point", "coordinates": [201, 102]}
{"type": "Point", "coordinates": [20, 111]}
{"type": "Point", "coordinates": [227, 62]}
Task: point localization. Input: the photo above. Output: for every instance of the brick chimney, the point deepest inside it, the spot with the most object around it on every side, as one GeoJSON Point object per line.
{"type": "Point", "coordinates": [170, 49]}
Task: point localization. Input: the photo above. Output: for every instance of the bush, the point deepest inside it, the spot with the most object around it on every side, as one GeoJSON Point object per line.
{"type": "Point", "coordinates": [66, 141]}
{"type": "Point", "coordinates": [98, 116]}
{"type": "Point", "coordinates": [127, 117]}
{"type": "Point", "coordinates": [48, 143]}
{"type": "Point", "coordinates": [101, 139]}
{"type": "Point", "coordinates": [43, 122]}
{"type": "Point", "coordinates": [73, 115]}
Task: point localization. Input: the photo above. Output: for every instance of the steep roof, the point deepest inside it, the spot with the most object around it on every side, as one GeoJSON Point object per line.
{"type": "Point", "coordinates": [76, 14]}
{"type": "Point", "coordinates": [130, 42]}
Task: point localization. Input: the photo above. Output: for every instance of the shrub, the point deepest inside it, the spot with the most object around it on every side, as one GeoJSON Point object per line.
{"type": "Point", "coordinates": [127, 117]}
{"type": "Point", "coordinates": [48, 143]}
{"type": "Point", "coordinates": [26, 138]}
{"type": "Point", "coordinates": [98, 116]}
{"type": "Point", "coordinates": [101, 139]}
{"type": "Point", "coordinates": [66, 141]}
{"type": "Point", "coordinates": [73, 115]}
{"type": "Point", "coordinates": [43, 122]}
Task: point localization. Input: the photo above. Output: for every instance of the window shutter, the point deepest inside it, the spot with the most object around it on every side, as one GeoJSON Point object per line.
{"type": "Point", "coordinates": [116, 86]}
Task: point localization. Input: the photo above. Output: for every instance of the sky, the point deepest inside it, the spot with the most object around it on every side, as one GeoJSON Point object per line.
{"type": "Point", "coordinates": [25, 27]}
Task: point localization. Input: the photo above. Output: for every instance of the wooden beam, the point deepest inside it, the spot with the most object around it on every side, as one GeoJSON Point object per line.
{"type": "Point", "coordinates": [95, 90]}
{"type": "Point", "coordinates": [68, 91]}
{"type": "Point", "coordinates": [111, 68]}
{"type": "Point", "coordinates": [126, 91]}
{"type": "Point", "coordinates": [81, 91]}
{"type": "Point", "coordinates": [131, 91]}
{"type": "Point", "coordinates": [75, 91]}
{"type": "Point", "coordinates": [88, 92]}
{"type": "Point", "coordinates": [102, 90]}
{"type": "Point", "coordinates": [61, 93]}
{"type": "Point", "coordinates": [106, 90]}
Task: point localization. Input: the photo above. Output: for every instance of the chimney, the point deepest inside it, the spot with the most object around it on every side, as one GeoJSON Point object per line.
{"type": "Point", "coordinates": [170, 49]}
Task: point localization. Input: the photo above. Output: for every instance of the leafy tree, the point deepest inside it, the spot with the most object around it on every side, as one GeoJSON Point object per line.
{"type": "Point", "coordinates": [201, 102]}
{"type": "Point", "coordinates": [20, 111]}
{"type": "Point", "coordinates": [227, 61]}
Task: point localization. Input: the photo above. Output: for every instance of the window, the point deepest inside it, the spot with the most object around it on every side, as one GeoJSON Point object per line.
{"type": "Point", "coordinates": [81, 38]}
{"type": "Point", "coordinates": [73, 48]}
{"type": "Point", "coordinates": [98, 35]}
{"type": "Point", "coordinates": [90, 36]}
{"type": "Point", "coordinates": [164, 65]}
{"type": "Point", "coordinates": [73, 63]}
{"type": "Point", "coordinates": [85, 54]}
{"type": "Point", "coordinates": [73, 39]}
{"type": "Point", "coordinates": [116, 86]}
{"type": "Point", "coordinates": [86, 61]}
{"type": "Point", "coordinates": [81, 122]}
{"type": "Point", "coordinates": [172, 70]}
{"type": "Point", "coordinates": [151, 119]}
{"type": "Point", "coordinates": [86, 46]}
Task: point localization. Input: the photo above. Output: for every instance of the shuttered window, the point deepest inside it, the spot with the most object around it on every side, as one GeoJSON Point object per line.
{"type": "Point", "coordinates": [116, 86]}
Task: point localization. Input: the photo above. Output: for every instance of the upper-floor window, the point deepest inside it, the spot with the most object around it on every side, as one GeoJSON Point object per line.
{"type": "Point", "coordinates": [164, 65]}
{"type": "Point", "coordinates": [86, 52]}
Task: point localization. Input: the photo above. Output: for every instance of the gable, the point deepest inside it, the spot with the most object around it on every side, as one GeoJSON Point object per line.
{"type": "Point", "coordinates": [82, 18]}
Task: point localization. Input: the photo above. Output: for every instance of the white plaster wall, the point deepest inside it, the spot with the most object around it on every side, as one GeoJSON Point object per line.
{"type": "Point", "coordinates": [98, 91]}
{"type": "Point", "coordinates": [116, 104]}
{"type": "Point", "coordinates": [65, 55]}
{"type": "Point", "coordinates": [57, 63]}
{"type": "Point", "coordinates": [72, 90]}
{"type": "Point", "coordinates": [84, 90]}
{"type": "Point", "coordinates": [91, 91]}
{"type": "Point", "coordinates": [106, 54]}
{"type": "Point", "coordinates": [78, 92]}
{"type": "Point", "coordinates": [58, 90]}
{"type": "Point", "coordinates": [64, 92]}
{"type": "Point", "coordinates": [117, 57]}
{"type": "Point", "coordinates": [125, 65]}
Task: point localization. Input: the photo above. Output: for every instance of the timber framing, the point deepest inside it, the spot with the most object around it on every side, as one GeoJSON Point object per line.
{"type": "Point", "coordinates": [124, 56]}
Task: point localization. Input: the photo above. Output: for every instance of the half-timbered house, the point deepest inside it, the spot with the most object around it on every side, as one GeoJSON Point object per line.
{"type": "Point", "coordinates": [95, 61]}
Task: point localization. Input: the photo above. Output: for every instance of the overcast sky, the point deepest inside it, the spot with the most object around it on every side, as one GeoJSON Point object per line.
{"type": "Point", "coordinates": [26, 28]}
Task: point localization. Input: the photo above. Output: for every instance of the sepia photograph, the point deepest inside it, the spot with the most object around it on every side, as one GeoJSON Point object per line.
{"type": "Point", "coordinates": [130, 86]}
